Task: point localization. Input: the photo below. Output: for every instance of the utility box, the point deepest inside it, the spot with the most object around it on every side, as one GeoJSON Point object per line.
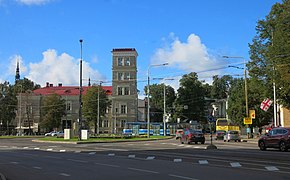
{"type": "Point", "coordinates": [68, 133]}
{"type": "Point", "coordinates": [84, 134]}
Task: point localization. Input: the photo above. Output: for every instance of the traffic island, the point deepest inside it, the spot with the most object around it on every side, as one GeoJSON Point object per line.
{"type": "Point", "coordinates": [211, 146]}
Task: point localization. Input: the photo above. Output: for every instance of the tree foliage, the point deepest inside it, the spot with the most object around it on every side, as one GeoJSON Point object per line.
{"type": "Point", "coordinates": [157, 100]}
{"type": "Point", "coordinates": [53, 110]}
{"type": "Point", "coordinates": [94, 95]}
{"type": "Point", "coordinates": [190, 99]}
{"type": "Point", "coordinates": [270, 53]}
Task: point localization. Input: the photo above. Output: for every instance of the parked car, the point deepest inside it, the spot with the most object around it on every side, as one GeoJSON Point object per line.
{"type": "Point", "coordinates": [60, 134]}
{"type": "Point", "coordinates": [191, 135]}
{"type": "Point", "coordinates": [219, 135]}
{"type": "Point", "coordinates": [178, 133]}
{"type": "Point", "coordinates": [276, 138]}
{"type": "Point", "coordinates": [232, 136]}
{"type": "Point", "coordinates": [49, 133]}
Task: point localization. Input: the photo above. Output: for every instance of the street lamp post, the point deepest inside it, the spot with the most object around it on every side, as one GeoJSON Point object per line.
{"type": "Point", "coordinates": [148, 96]}
{"type": "Point", "coordinates": [246, 85]}
{"type": "Point", "coordinates": [164, 105]}
{"type": "Point", "coordinates": [80, 96]}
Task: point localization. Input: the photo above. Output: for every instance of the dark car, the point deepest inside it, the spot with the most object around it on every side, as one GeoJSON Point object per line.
{"type": "Point", "coordinates": [190, 135]}
{"type": "Point", "coordinates": [219, 135]}
{"type": "Point", "coordinates": [276, 138]}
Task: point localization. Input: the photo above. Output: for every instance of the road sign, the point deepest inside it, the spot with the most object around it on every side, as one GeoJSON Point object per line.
{"type": "Point", "coordinates": [247, 120]}
{"type": "Point", "coordinates": [252, 114]}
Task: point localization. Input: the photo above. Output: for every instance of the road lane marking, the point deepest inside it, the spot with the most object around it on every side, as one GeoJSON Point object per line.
{"type": "Point", "coordinates": [143, 170]}
{"type": "Point", "coordinates": [150, 158]}
{"type": "Point", "coordinates": [64, 174]}
{"type": "Point", "coordinates": [25, 147]}
{"type": "Point", "coordinates": [203, 162]}
{"type": "Point", "coordinates": [235, 164]}
{"type": "Point", "coordinates": [49, 149]}
{"type": "Point", "coordinates": [181, 177]}
{"type": "Point", "coordinates": [36, 167]}
{"type": "Point", "coordinates": [177, 160]}
{"type": "Point", "coordinates": [131, 156]}
{"type": "Point", "coordinates": [92, 153]}
{"type": "Point", "coordinates": [36, 148]}
{"type": "Point", "coordinates": [111, 154]}
{"type": "Point", "coordinates": [110, 165]}
{"type": "Point", "coordinates": [76, 160]}
{"type": "Point", "coordinates": [271, 168]}
{"type": "Point", "coordinates": [62, 150]}
{"type": "Point", "coordinates": [14, 162]}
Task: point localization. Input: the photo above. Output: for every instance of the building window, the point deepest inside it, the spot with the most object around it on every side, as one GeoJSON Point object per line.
{"type": "Point", "coordinates": [126, 76]}
{"type": "Point", "coordinates": [127, 61]}
{"type": "Point", "coordinates": [120, 89]}
{"type": "Point", "coordinates": [105, 123]}
{"type": "Point", "coordinates": [120, 61]}
{"type": "Point", "coordinates": [123, 109]}
{"type": "Point", "coordinates": [68, 106]}
{"type": "Point", "coordinates": [120, 76]}
{"type": "Point", "coordinates": [126, 91]}
{"type": "Point", "coordinates": [123, 122]}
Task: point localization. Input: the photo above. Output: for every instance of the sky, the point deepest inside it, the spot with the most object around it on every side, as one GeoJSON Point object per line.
{"type": "Point", "coordinates": [189, 35]}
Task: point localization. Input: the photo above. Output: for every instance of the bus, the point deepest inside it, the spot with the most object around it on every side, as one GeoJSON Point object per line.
{"type": "Point", "coordinates": [140, 128]}
{"type": "Point", "coordinates": [223, 124]}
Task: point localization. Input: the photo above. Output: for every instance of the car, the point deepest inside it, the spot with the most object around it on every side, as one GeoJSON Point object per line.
{"type": "Point", "coordinates": [232, 136]}
{"type": "Point", "coordinates": [49, 133]}
{"type": "Point", "coordinates": [278, 137]}
{"type": "Point", "coordinates": [178, 133]}
{"type": "Point", "coordinates": [219, 135]}
{"type": "Point", "coordinates": [191, 135]}
{"type": "Point", "coordinates": [60, 134]}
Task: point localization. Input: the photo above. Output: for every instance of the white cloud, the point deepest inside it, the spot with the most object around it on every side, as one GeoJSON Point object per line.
{"type": "Point", "coordinates": [190, 56]}
{"type": "Point", "coordinates": [60, 69]}
{"type": "Point", "coordinates": [33, 2]}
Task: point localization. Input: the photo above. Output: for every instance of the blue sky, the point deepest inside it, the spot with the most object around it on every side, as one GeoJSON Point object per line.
{"type": "Point", "coordinates": [191, 35]}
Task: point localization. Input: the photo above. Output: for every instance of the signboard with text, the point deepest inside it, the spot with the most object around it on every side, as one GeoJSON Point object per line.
{"type": "Point", "coordinates": [247, 120]}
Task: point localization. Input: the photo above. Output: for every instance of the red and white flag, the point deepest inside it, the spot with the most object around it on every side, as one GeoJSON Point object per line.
{"type": "Point", "coordinates": [266, 104]}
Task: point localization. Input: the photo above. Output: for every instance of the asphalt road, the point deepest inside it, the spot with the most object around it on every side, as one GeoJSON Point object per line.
{"type": "Point", "coordinates": [166, 159]}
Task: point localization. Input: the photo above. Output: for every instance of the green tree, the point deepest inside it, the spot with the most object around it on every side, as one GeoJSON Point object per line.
{"type": "Point", "coordinates": [157, 100]}
{"type": "Point", "coordinates": [220, 87]}
{"type": "Point", "coordinates": [53, 111]}
{"type": "Point", "coordinates": [8, 104]}
{"type": "Point", "coordinates": [270, 55]}
{"type": "Point", "coordinates": [93, 96]}
{"type": "Point", "coordinates": [190, 100]}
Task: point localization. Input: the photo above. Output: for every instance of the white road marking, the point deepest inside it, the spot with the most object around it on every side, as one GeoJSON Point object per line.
{"type": "Point", "coordinates": [64, 174]}
{"type": "Point", "coordinates": [49, 149]}
{"type": "Point", "coordinates": [181, 177]}
{"type": "Point", "coordinates": [110, 165]}
{"type": "Point", "coordinates": [177, 160]}
{"type": "Point", "coordinates": [235, 164]}
{"type": "Point", "coordinates": [36, 148]}
{"type": "Point", "coordinates": [36, 167]}
{"type": "Point", "coordinates": [131, 156]}
{"type": "Point", "coordinates": [143, 170]}
{"type": "Point", "coordinates": [271, 168]}
{"type": "Point", "coordinates": [62, 150]}
{"type": "Point", "coordinates": [76, 160]}
{"type": "Point", "coordinates": [25, 147]}
{"type": "Point", "coordinates": [14, 162]}
{"type": "Point", "coordinates": [92, 153]}
{"type": "Point", "coordinates": [150, 157]}
{"type": "Point", "coordinates": [111, 154]}
{"type": "Point", "coordinates": [203, 162]}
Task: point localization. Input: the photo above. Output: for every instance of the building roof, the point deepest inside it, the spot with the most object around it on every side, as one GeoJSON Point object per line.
{"type": "Point", "coordinates": [124, 49]}
{"type": "Point", "coordinates": [67, 90]}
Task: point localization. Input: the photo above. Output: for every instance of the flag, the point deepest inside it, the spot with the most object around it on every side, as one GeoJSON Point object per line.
{"type": "Point", "coordinates": [266, 104]}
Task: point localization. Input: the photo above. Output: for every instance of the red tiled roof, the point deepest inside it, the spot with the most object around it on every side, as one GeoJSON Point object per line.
{"type": "Point", "coordinates": [67, 90]}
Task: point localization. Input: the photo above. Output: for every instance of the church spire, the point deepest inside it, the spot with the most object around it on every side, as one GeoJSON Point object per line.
{"type": "Point", "coordinates": [17, 75]}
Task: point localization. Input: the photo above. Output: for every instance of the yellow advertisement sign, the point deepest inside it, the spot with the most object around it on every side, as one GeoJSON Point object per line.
{"type": "Point", "coordinates": [247, 120]}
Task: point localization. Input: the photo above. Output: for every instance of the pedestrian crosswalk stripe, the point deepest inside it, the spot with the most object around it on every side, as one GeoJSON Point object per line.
{"type": "Point", "coordinates": [235, 164]}
{"type": "Point", "coordinates": [271, 168]}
